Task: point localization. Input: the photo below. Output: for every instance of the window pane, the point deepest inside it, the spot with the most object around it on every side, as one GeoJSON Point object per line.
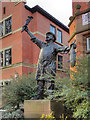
{"type": "Point", "coordinates": [8, 25]}
{"type": "Point", "coordinates": [59, 36]}
{"type": "Point", "coordinates": [4, 10]}
{"type": "Point", "coordinates": [1, 59]}
{"type": "Point", "coordinates": [52, 29]}
{"type": "Point", "coordinates": [7, 57]}
{"type": "Point", "coordinates": [60, 62]}
{"type": "Point", "coordinates": [1, 29]}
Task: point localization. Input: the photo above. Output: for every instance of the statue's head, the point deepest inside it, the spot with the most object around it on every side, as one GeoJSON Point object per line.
{"type": "Point", "coordinates": [50, 36]}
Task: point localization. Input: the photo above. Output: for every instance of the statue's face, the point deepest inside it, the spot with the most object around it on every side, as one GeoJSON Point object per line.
{"type": "Point", "coordinates": [49, 37]}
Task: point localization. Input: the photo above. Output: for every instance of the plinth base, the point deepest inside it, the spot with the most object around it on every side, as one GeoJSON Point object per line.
{"type": "Point", "coordinates": [33, 109]}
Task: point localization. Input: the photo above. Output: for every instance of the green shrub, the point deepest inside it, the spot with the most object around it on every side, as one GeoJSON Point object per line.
{"type": "Point", "coordinates": [74, 90]}
{"type": "Point", "coordinates": [15, 115]}
{"type": "Point", "coordinates": [21, 88]}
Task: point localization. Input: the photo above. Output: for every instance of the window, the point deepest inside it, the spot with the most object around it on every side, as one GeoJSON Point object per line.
{"type": "Point", "coordinates": [5, 26]}
{"type": "Point", "coordinates": [3, 83]}
{"type": "Point", "coordinates": [1, 29]}
{"type": "Point", "coordinates": [59, 36]}
{"type": "Point", "coordinates": [60, 62]}
{"type": "Point", "coordinates": [86, 18]}
{"type": "Point", "coordinates": [1, 59]}
{"type": "Point", "coordinates": [52, 29]}
{"type": "Point", "coordinates": [4, 10]}
{"type": "Point", "coordinates": [8, 25]}
{"type": "Point", "coordinates": [88, 44]}
{"type": "Point", "coordinates": [5, 57]}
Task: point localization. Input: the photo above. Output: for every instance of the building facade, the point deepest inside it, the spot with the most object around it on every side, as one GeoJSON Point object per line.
{"type": "Point", "coordinates": [17, 53]}
{"type": "Point", "coordinates": [79, 27]}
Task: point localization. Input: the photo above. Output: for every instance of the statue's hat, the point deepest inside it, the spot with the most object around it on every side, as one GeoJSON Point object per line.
{"type": "Point", "coordinates": [52, 34]}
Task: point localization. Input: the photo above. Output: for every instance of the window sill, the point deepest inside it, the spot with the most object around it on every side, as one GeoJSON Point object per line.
{"type": "Point", "coordinates": [59, 43]}
{"type": "Point", "coordinates": [4, 67]}
{"type": "Point", "coordinates": [6, 35]}
{"type": "Point", "coordinates": [88, 52]}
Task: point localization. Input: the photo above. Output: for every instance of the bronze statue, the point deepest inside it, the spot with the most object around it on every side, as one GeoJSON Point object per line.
{"type": "Point", "coordinates": [46, 69]}
{"type": "Point", "coordinates": [73, 54]}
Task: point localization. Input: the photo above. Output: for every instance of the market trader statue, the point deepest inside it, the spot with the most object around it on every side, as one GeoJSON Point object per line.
{"type": "Point", "coordinates": [46, 69]}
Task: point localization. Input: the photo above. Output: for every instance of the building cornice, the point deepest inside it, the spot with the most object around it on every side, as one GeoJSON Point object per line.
{"type": "Point", "coordinates": [78, 32]}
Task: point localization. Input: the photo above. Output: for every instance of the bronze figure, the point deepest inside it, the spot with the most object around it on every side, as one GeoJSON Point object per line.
{"type": "Point", "coordinates": [46, 69]}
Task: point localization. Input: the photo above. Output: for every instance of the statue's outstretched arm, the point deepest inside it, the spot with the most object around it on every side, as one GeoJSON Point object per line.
{"type": "Point", "coordinates": [38, 42]}
{"type": "Point", "coordinates": [66, 49]}
{"type": "Point", "coordinates": [62, 50]}
{"type": "Point", "coordinates": [29, 33]}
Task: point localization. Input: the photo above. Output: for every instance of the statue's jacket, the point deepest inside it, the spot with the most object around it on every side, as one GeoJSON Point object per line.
{"type": "Point", "coordinates": [46, 69]}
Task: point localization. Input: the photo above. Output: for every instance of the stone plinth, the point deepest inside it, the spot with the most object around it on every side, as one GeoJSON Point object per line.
{"type": "Point", "coordinates": [35, 108]}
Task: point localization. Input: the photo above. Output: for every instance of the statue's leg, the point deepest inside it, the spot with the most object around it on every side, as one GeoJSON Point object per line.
{"type": "Point", "coordinates": [41, 85]}
{"type": "Point", "coordinates": [50, 87]}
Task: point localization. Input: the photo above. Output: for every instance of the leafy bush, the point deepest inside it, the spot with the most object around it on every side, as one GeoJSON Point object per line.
{"type": "Point", "coordinates": [13, 114]}
{"type": "Point", "coordinates": [74, 90]}
{"type": "Point", "coordinates": [21, 88]}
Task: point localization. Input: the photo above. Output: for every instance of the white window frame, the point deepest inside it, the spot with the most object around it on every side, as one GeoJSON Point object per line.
{"type": "Point", "coordinates": [59, 39]}
{"type": "Point", "coordinates": [88, 44]}
{"type": "Point", "coordinates": [3, 22]}
{"type": "Point", "coordinates": [4, 62]}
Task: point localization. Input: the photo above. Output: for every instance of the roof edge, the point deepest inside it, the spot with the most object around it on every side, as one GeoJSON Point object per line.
{"type": "Point", "coordinates": [47, 15]}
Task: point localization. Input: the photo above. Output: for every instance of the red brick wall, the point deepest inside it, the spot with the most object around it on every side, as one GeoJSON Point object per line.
{"type": "Point", "coordinates": [72, 27]}
{"type": "Point", "coordinates": [14, 40]}
{"type": "Point", "coordinates": [6, 73]}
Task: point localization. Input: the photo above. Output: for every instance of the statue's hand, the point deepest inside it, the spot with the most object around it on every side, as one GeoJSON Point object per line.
{"type": "Point", "coordinates": [74, 45]}
{"type": "Point", "coordinates": [71, 44]}
{"type": "Point", "coordinates": [67, 49]}
{"type": "Point", "coordinates": [25, 28]}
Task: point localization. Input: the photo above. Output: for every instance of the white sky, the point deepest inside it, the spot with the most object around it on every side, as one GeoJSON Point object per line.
{"type": "Point", "coordinates": [60, 9]}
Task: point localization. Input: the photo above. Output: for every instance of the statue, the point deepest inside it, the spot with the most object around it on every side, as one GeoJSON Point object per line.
{"type": "Point", "coordinates": [73, 54]}
{"type": "Point", "coordinates": [46, 69]}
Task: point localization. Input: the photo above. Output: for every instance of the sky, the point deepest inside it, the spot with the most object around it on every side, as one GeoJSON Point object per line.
{"type": "Point", "coordinates": [60, 9]}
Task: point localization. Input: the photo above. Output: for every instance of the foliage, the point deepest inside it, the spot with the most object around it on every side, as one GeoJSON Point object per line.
{"type": "Point", "coordinates": [13, 114]}
{"type": "Point", "coordinates": [48, 117]}
{"type": "Point", "coordinates": [21, 88]}
{"type": "Point", "coordinates": [74, 90]}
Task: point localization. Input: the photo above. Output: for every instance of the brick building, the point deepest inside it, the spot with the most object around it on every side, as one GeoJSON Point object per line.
{"type": "Point", "coordinates": [17, 52]}
{"type": "Point", "coordinates": [79, 27]}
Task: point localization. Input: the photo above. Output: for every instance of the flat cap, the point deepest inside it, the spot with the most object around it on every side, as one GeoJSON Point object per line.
{"type": "Point", "coordinates": [51, 34]}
